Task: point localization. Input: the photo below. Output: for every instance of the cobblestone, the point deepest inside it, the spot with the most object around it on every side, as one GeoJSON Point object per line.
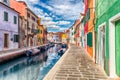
{"type": "Point", "coordinates": [77, 65]}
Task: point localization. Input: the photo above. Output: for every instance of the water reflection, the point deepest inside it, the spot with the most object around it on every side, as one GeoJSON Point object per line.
{"type": "Point", "coordinates": [30, 68]}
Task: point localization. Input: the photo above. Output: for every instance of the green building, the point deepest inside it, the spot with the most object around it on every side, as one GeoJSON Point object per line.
{"type": "Point", "coordinates": [108, 36]}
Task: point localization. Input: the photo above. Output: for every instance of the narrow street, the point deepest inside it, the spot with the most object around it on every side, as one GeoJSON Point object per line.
{"type": "Point", "coordinates": [75, 64]}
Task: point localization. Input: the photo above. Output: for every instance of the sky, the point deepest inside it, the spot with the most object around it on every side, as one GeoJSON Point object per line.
{"type": "Point", "coordinates": [56, 15]}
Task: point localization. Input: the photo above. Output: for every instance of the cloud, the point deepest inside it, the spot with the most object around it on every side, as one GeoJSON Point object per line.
{"type": "Point", "coordinates": [69, 9]}
{"type": "Point", "coordinates": [49, 23]}
{"type": "Point", "coordinates": [63, 22]}
{"type": "Point", "coordinates": [56, 14]}
{"type": "Point", "coordinates": [62, 29]}
{"type": "Point", "coordinates": [54, 26]}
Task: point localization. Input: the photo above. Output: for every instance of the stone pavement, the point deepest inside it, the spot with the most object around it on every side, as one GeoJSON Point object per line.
{"type": "Point", "coordinates": [75, 64]}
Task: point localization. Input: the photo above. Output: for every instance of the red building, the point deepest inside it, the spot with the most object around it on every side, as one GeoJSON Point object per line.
{"type": "Point", "coordinates": [86, 21]}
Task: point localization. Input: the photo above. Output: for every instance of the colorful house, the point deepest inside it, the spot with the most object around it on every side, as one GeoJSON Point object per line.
{"type": "Point", "coordinates": [86, 15]}
{"type": "Point", "coordinates": [91, 32]}
{"type": "Point", "coordinates": [8, 26]}
{"type": "Point", "coordinates": [77, 32]}
{"type": "Point", "coordinates": [68, 36]}
{"type": "Point", "coordinates": [40, 34]}
{"type": "Point", "coordinates": [32, 28]}
{"type": "Point", "coordinates": [64, 37]}
{"type": "Point", "coordinates": [108, 36]}
{"type": "Point", "coordinates": [81, 30]}
{"type": "Point", "coordinates": [72, 34]}
{"type": "Point", "coordinates": [45, 35]}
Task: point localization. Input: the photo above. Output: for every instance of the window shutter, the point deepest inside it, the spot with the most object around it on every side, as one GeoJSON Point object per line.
{"type": "Point", "coordinates": [15, 20]}
{"type": "Point", "coordinates": [5, 16]}
{"type": "Point", "coordinates": [89, 39]}
{"type": "Point", "coordinates": [16, 38]}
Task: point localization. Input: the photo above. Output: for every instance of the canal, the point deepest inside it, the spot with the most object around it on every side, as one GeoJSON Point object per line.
{"type": "Point", "coordinates": [30, 68]}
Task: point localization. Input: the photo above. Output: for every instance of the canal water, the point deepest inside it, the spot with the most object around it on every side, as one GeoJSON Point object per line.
{"type": "Point", "coordinates": [30, 68]}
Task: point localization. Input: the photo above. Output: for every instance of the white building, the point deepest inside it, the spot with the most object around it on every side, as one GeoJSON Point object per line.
{"type": "Point", "coordinates": [8, 26]}
{"type": "Point", "coordinates": [50, 37]}
{"type": "Point", "coordinates": [72, 35]}
{"type": "Point", "coordinates": [56, 38]}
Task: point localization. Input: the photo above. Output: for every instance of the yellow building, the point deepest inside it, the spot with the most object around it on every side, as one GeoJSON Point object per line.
{"type": "Point", "coordinates": [40, 34]}
{"type": "Point", "coordinates": [64, 37]}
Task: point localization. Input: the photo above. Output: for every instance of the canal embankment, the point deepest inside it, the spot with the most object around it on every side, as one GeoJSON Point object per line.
{"type": "Point", "coordinates": [30, 68]}
{"type": "Point", "coordinates": [7, 55]}
{"type": "Point", "coordinates": [76, 64]}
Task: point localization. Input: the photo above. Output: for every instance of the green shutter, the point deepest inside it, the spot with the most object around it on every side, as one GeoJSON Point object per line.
{"type": "Point", "coordinates": [15, 20]}
{"type": "Point", "coordinates": [16, 38]}
{"type": "Point", "coordinates": [5, 1]}
{"type": "Point", "coordinates": [41, 31]}
{"type": "Point", "coordinates": [89, 39]}
{"type": "Point", "coordinates": [5, 16]}
{"type": "Point", "coordinates": [88, 15]}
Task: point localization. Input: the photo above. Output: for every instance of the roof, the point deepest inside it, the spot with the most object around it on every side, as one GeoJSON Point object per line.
{"type": "Point", "coordinates": [32, 12]}
{"type": "Point", "coordinates": [9, 7]}
{"type": "Point", "coordinates": [77, 22]}
{"type": "Point", "coordinates": [23, 2]}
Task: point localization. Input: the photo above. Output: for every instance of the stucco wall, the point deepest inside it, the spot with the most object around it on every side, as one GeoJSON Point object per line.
{"type": "Point", "coordinates": [104, 11]}
{"type": "Point", "coordinates": [8, 26]}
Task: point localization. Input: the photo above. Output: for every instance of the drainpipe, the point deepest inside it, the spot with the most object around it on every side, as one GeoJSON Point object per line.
{"type": "Point", "coordinates": [18, 31]}
{"type": "Point", "coordinates": [95, 30]}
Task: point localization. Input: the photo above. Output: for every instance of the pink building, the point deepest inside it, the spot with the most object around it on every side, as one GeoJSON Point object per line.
{"type": "Point", "coordinates": [85, 22]}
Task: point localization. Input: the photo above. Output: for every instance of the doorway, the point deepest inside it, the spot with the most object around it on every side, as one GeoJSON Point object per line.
{"type": "Point", "coordinates": [6, 40]}
{"type": "Point", "coordinates": [117, 47]}
{"type": "Point", "coordinates": [101, 46]}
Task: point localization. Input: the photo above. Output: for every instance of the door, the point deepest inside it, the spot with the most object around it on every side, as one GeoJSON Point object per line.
{"type": "Point", "coordinates": [6, 40]}
{"type": "Point", "coordinates": [101, 47]}
{"type": "Point", "coordinates": [117, 47]}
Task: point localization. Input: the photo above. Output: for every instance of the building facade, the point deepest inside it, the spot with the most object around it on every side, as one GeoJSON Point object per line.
{"type": "Point", "coordinates": [21, 6]}
{"type": "Point", "coordinates": [91, 32]}
{"type": "Point", "coordinates": [40, 34]}
{"type": "Point", "coordinates": [32, 28]}
{"type": "Point", "coordinates": [8, 26]}
{"type": "Point", "coordinates": [86, 18]}
{"type": "Point", "coordinates": [81, 30]}
{"type": "Point", "coordinates": [71, 34]}
{"type": "Point", "coordinates": [56, 38]}
{"type": "Point", "coordinates": [107, 36]}
{"type": "Point", "coordinates": [45, 35]}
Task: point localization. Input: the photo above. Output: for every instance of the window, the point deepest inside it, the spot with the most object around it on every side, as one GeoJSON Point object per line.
{"type": "Point", "coordinates": [5, 1]}
{"type": "Point", "coordinates": [41, 31]}
{"type": "Point", "coordinates": [89, 39]}
{"type": "Point", "coordinates": [28, 14]}
{"type": "Point", "coordinates": [15, 20]}
{"type": "Point", "coordinates": [25, 26]}
{"type": "Point", "coordinates": [33, 18]}
{"type": "Point", "coordinates": [5, 16]}
{"type": "Point", "coordinates": [16, 38]}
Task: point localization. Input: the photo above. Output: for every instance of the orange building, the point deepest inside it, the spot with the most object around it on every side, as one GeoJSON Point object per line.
{"type": "Point", "coordinates": [91, 9]}
{"type": "Point", "coordinates": [40, 34]}
{"type": "Point", "coordinates": [19, 6]}
{"type": "Point", "coordinates": [45, 40]}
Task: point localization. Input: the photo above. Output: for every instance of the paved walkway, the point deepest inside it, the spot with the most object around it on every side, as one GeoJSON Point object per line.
{"type": "Point", "coordinates": [75, 64]}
